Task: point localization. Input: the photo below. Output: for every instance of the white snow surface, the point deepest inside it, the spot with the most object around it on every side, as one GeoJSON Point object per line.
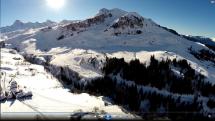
{"type": "Point", "coordinates": [50, 99]}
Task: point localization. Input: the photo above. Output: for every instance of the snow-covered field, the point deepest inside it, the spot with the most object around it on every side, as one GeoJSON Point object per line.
{"type": "Point", "coordinates": [50, 99]}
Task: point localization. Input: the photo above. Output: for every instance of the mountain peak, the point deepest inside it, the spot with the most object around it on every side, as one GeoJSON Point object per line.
{"type": "Point", "coordinates": [49, 21]}
{"type": "Point", "coordinates": [18, 22]}
{"type": "Point", "coordinates": [115, 12]}
{"type": "Point", "coordinates": [104, 10]}
{"type": "Point", "coordinates": [131, 14]}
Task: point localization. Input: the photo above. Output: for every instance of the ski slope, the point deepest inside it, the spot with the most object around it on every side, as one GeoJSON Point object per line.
{"type": "Point", "coordinates": [50, 99]}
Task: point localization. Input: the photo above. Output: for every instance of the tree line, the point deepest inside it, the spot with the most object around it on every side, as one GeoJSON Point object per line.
{"type": "Point", "coordinates": [157, 74]}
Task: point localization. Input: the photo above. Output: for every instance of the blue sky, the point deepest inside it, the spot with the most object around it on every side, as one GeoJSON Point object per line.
{"type": "Point", "coordinates": [195, 17]}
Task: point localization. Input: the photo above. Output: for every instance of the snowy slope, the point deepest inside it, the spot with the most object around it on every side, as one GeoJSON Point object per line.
{"type": "Point", "coordinates": [48, 93]}
{"type": "Point", "coordinates": [203, 40]}
{"type": "Point", "coordinates": [109, 31]}
{"type": "Point", "coordinates": [98, 34]}
{"type": "Point", "coordinates": [78, 61]}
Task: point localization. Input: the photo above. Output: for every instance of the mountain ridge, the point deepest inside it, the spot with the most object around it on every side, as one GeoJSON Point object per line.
{"type": "Point", "coordinates": [19, 25]}
{"type": "Point", "coordinates": [105, 33]}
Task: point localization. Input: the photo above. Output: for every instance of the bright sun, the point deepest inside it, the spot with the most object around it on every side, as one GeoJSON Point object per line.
{"type": "Point", "coordinates": [55, 4]}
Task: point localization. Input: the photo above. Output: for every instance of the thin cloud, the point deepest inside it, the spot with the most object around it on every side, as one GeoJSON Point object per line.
{"type": "Point", "coordinates": [212, 1]}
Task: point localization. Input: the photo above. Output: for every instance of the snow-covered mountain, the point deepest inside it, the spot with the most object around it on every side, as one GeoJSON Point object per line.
{"type": "Point", "coordinates": [76, 51]}
{"type": "Point", "coordinates": [204, 40]}
{"type": "Point", "coordinates": [201, 39]}
{"type": "Point", "coordinates": [19, 25]}
{"type": "Point", "coordinates": [108, 31]}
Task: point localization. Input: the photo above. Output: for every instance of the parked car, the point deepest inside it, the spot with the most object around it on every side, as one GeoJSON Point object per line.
{"type": "Point", "coordinates": [2, 97]}
{"type": "Point", "coordinates": [9, 95]}
{"type": "Point", "coordinates": [20, 95]}
{"type": "Point", "coordinates": [29, 94]}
